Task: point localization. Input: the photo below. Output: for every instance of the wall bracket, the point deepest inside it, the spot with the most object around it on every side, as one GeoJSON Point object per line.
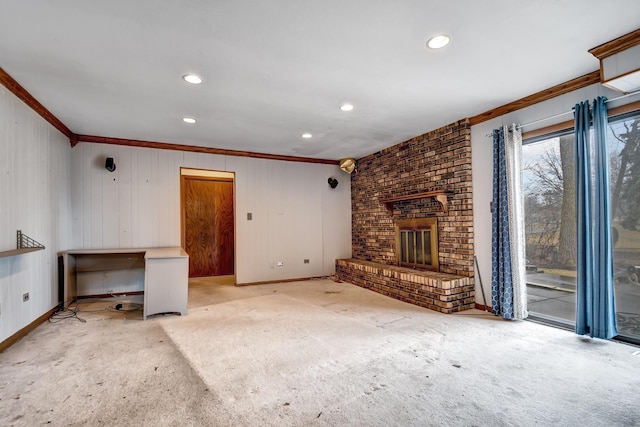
{"type": "Point", "coordinates": [24, 244]}
{"type": "Point", "coordinates": [440, 196]}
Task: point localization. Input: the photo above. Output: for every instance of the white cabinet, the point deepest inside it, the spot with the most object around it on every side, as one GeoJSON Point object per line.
{"type": "Point", "coordinates": [166, 281]}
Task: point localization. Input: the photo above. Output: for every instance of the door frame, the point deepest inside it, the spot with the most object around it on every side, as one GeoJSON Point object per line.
{"type": "Point", "coordinates": [212, 175]}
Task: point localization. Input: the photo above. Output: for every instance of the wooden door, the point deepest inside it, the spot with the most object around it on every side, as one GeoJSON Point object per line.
{"type": "Point", "coordinates": [207, 225]}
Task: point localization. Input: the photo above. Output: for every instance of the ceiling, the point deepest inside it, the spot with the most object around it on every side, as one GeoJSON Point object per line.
{"type": "Point", "coordinates": [275, 70]}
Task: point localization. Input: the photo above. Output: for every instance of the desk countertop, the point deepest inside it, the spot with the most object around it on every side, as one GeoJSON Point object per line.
{"type": "Point", "coordinates": [149, 253]}
{"type": "Point", "coordinates": [172, 252]}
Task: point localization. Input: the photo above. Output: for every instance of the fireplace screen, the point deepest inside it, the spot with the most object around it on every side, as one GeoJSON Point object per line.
{"type": "Point", "coordinates": [417, 243]}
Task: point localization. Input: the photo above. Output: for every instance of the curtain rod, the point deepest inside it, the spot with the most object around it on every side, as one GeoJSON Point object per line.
{"type": "Point", "coordinates": [571, 111]}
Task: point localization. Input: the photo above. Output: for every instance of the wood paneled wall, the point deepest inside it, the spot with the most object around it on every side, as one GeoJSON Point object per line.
{"type": "Point", "coordinates": [65, 199]}
{"type": "Point", "coordinates": [34, 197]}
{"type": "Point", "coordinates": [295, 215]}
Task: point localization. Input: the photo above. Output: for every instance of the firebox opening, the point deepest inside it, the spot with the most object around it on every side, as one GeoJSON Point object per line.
{"type": "Point", "coordinates": [417, 243]}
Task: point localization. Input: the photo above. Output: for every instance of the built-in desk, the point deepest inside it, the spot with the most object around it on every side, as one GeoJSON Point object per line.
{"type": "Point", "coordinates": [166, 274]}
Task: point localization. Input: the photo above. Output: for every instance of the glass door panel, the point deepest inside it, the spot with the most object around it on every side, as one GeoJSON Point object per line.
{"type": "Point", "coordinates": [624, 150]}
{"type": "Point", "coordinates": [550, 224]}
{"type": "Point", "coordinates": [549, 191]}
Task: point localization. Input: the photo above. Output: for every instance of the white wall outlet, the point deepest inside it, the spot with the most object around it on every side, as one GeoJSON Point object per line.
{"type": "Point", "coordinates": [279, 264]}
{"type": "Point", "coordinates": [25, 297]}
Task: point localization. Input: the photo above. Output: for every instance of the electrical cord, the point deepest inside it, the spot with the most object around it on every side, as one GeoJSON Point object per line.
{"type": "Point", "coordinates": [69, 312]}
{"type": "Point", "coordinates": [124, 307]}
{"type": "Point", "coordinates": [63, 313]}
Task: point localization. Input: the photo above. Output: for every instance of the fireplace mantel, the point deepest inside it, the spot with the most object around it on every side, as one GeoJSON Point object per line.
{"type": "Point", "coordinates": [439, 195]}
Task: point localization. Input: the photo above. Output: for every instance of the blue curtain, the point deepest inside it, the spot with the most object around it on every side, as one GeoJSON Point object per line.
{"type": "Point", "coordinates": [595, 304]}
{"type": "Point", "coordinates": [501, 277]}
{"type": "Point", "coordinates": [584, 271]}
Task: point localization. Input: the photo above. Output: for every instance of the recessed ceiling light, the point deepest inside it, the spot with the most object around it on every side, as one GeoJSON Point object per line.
{"type": "Point", "coordinates": [346, 107]}
{"type": "Point", "coordinates": [189, 120]}
{"type": "Point", "coordinates": [192, 78]}
{"type": "Point", "coordinates": [438, 42]}
{"type": "Point", "coordinates": [306, 135]}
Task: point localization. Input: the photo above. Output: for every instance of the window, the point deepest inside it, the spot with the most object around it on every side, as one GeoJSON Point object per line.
{"type": "Point", "coordinates": [550, 223]}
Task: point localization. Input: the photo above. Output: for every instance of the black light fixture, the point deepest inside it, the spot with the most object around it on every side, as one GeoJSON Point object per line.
{"type": "Point", "coordinates": [333, 183]}
{"type": "Point", "coordinates": [110, 164]}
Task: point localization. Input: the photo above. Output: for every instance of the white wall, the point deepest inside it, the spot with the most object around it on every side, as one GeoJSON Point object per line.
{"type": "Point", "coordinates": [296, 215]}
{"type": "Point", "coordinates": [35, 198]}
{"type": "Point", "coordinates": [482, 164]}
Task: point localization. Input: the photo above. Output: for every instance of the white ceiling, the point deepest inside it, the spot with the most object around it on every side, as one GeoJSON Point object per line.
{"type": "Point", "coordinates": [276, 69]}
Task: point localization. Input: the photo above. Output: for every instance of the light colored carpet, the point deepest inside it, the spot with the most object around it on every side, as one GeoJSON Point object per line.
{"type": "Point", "coordinates": [314, 353]}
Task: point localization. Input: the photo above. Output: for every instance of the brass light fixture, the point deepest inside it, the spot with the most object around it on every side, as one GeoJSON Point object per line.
{"type": "Point", "coordinates": [348, 164]}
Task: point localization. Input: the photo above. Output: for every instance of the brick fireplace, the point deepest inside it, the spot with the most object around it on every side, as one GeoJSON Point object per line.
{"type": "Point", "coordinates": [428, 176]}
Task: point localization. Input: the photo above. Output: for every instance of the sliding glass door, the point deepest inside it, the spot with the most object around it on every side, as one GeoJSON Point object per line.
{"type": "Point", "coordinates": [550, 224]}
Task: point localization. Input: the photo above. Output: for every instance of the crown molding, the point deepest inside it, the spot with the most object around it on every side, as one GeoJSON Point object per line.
{"type": "Point", "coordinates": [198, 149]}
{"type": "Point", "coordinates": [14, 87]}
{"type": "Point", "coordinates": [616, 45]}
{"type": "Point", "coordinates": [527, 101]}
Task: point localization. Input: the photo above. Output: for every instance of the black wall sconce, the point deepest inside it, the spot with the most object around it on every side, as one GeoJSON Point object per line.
{"type": "Point", "coordinates": [333, 183]}
{"type": "Point", "coordinates": [110, 164]}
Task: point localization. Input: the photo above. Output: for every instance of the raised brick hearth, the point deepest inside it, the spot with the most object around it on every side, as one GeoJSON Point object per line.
{"type": "Point", "coordinates": [446, 293]}
{"type": "Point", "coordinates": [382, 193]}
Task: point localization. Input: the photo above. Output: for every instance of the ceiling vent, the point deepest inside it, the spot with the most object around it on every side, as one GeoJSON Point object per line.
{"type": "Point", "coordinates": [620, 62]}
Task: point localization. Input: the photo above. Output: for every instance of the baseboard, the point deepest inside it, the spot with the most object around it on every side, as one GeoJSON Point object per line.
{"type": "Point", "coordinates": [483, 307]}
{"type": "Point", "coordinates": [24, 331]}
{"type": "Point", "coordinates": [271, 282]}
{"type": "Point", "coordinates": [118, 294]}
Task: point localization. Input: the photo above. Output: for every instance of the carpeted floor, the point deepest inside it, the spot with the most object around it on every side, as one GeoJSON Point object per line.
{"type": "Point", "coordinates": [312, 353]}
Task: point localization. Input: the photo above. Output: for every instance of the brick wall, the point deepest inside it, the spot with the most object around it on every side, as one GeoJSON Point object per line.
{"type": "Point", "coordinates": [438, 160]}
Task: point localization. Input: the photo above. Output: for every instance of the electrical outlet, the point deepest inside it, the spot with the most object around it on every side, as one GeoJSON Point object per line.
{"type": "Point", "coordinates": [25, 297]}
{"type": "Point", "coordinates": [306, 261]}
{"type": "Point", "coordinates": [279, 264]}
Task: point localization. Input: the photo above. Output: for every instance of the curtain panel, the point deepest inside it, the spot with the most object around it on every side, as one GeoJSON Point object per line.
{"type": "Point", "coordinates": [508, 282]}
{"type": "Point", "coordinates": [595, 301]}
